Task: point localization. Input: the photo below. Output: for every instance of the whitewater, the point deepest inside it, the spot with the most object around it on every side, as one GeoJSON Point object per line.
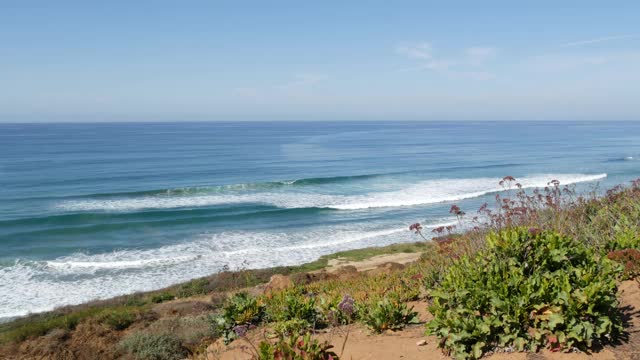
{"type": "Point", "coordinates": [424, 192]}
{"type": "Point", "coordinates": [92, 211]}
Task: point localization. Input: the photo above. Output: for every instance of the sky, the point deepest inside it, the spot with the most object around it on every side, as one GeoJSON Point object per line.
{"type": "Point", "coordinates": [319, 60]}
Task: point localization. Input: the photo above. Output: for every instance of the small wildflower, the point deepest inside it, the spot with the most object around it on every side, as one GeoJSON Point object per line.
{"type": "Point", "coordinates": [455, 210]}
{"type": "Point", "coordinates": [554, 182]}
{"type": "Point", "coordinates": [240, 330]}
{"type": "Point", "coordinates": [507, 180]}
{"type": "Point", "coordinates": [346, 305]}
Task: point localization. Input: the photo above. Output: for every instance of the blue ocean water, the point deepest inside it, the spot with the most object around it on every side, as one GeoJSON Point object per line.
{"type": "Point", "coordinates": [96, 210]}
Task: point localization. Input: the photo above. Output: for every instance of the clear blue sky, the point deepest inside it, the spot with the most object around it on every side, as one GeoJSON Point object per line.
{"type": "Point", "coordinates": [141, 60]}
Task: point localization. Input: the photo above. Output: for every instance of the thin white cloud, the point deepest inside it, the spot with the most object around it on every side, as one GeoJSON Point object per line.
{"type": "Point", "coordinates": [469, 65]}
{"type": "Point", "coordinates": [601, 39]}
{"type": "Point", "coordinates": [421, 50]}
{"type": "Point", "coordinates": [300, 82]}
{"type": "Point", "coordinates": [563, 62]}
{"type": "Point", "coordinates": [478, 55]}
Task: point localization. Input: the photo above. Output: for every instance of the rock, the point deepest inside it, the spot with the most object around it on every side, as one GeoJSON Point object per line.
{"type": "Point", "coordinates": [421, 342]}
{"type": "Point", "coordinates": [391, 266]}
{"type": "Point", "coordinates": [308, 278]}
{"type": "Point", "coordinates": [347, 269]}
{"type": "Point", "coordinates": [278, 282]}
{"type": "Point", "coordinates": [386, 268]}
{"type": "Point", "coordinates": [346, 272]}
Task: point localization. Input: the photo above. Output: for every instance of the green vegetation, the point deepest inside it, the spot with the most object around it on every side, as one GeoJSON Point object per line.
{"type": "Point", "coordinates": [193, 287]}
{"type": "Point", "coordinates": [388, 315]}
{"type": "Point", "coordinates": [606, 223]}
{"type": "Point", "coordinates": [240, 312]}
{"type": "Point", "coordinates": [119, 318]}
{"type": "Point", "coordinates": [367, 253]}
{"type": "Point", "coordinates": [145, 346]}
{"type": "Point", "coordinates": [527, 289]}
{"type": "Point", "coordinates": [161, 297]}
{"type": "Point", "coordinates": [116, 318]}
{"type": "Point", "coordinates": [23, 329]}
{"type": "Point", "coordinates": [296, 347]}
{"type": "Point", "coordinates": [293, 304]}
{"type": "Point", "coordinates": [404, 285]}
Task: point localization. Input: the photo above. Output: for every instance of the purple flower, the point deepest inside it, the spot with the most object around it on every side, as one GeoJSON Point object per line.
{"type": "Point", "coordinates": [240, 330]}
{"type": "Point", "coordinates": [346, 305]}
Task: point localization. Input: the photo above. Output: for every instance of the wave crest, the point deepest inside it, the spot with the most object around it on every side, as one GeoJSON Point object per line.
{"type": "Point", "coordinates": [421, 193]}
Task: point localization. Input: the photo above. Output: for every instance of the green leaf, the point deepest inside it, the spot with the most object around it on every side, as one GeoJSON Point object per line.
{"type": "Point", "coordinates": [477, 350]}
{"type": "Point", "coordinates": [520, 343]}
{"type": "Point", "coordinates": [555, 319]}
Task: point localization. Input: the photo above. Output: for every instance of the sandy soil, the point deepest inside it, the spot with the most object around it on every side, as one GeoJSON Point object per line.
{"type": "Point", "coordinates": [374, 262]}
{"type": "Point", "coordinates": [362, 344]}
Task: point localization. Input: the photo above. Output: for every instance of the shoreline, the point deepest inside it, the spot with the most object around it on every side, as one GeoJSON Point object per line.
{"type": "Point", "coordinates": [363, 259]}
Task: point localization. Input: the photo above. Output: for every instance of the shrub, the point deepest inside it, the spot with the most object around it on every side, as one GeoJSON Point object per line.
{"type": "Point", "coordinates": [289, 327]}
{"type": "Point", "coordinates": [241, 310]}
{"type": "Point", "coordinates": [193, 287]}
{"type": "Point", "coordinates": [527, 289]}
{"type": "Point", "coordinates": [367, 289]}
{"type": "Point", "coordinates": [439, 255]}
{"type": "Point", "coordinates": [189, 329]}
{"type": "Point", "coordinates": [296, 347]}
{"type": "Point", "coordinates": [388, 315]}
{"type": "Point", "coordinates": [162, 297]}
{"type": "Point", "coordinates": [630, 259]}
{"type": "Point", "coordinates": [41, 324]}
{"type": "Point", "coordinates": [292, 304]}
{"type": "Point", "coordinates": [135, 300]}
{"type": "Point", "coordinates": [626, 236]}
{"type": "Point", "coordinates": [343, 312]}
{"type": "Point", "coordinates": [144, 346]}
{"type": "Point", "coordinates": [118, 319]}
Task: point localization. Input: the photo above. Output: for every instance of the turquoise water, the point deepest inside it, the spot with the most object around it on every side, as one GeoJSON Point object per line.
{"type": "Point", "coordinates": [96, 210]}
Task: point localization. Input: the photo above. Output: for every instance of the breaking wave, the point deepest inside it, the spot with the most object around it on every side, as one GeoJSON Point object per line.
{"type": "Point", "coordinates": [420, 193]}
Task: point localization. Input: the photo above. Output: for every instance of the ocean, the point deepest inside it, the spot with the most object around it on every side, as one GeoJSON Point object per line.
{"type": "Point", "coordinates": [91, 211]}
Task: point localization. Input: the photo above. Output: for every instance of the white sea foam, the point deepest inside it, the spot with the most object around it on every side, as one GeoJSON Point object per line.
{"type": "Point", "coordinates": [82, 261]}
{"type": "Point", "coordinates": [420, 193]}
{"type": "Point", "coordinates": [39, 286]}
{"type": "Point", "coordinates": [436, 191]}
